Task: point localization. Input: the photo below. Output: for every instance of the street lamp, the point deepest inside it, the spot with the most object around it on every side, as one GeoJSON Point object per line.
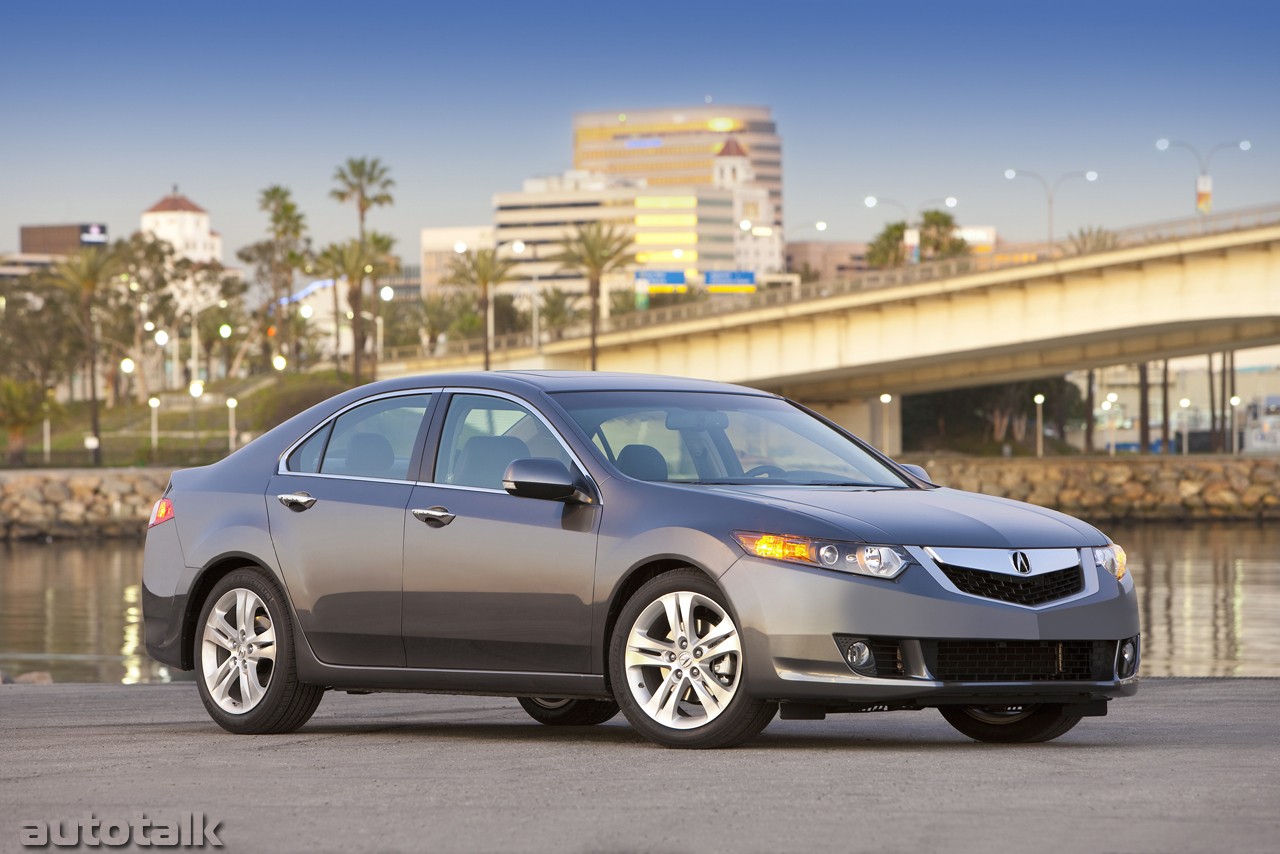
{"type": "Point", "coordinates": [1235, 401]}
{"type": "Point", "coordinates": [231, 423]}
{"type": "Point", "coordinates": [1049, 190]}
{"type": "Point", "coordinates": [1184, 403]}
{"type": "Point", "coordinates": [885, 400]}
{"type": "Point", "coordinates": [1039, 401]}
{"type": "Point", "coordinates": [1204, 183]}
{"type": "Point", "coordinates": [279, 362]}
{"type": "Point", "coordinates": [1107, 406]}
{"type": "Point", "coordinates": [154, 403]}
{"type": "Point", "coordinates": [518, 247]}
{"type": "Point", "coordinates": [196, 390]}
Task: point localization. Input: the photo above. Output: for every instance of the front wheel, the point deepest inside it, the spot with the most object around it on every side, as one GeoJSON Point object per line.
{"type": "Point", "coordinates": [244, 658]}
{"type": "Point", "coordinates": [676, 664]}
{"type": "Point", "coordinates": [564, 712]}
{"type": "Point", "coordinates": [1011, 724]}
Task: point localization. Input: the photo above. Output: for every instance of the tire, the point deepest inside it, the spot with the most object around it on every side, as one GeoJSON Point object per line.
{"type": "Point", "coordinates": [1011, 724]}
{"type": "Point", "coordinates": [676, 665]}
{"type": "Point", "coordinates": [245, 621]}
{"type": "Point", "coordinates": [562, 712]}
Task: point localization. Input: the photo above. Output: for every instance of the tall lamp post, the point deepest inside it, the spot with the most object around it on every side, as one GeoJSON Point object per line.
{"type": "Point", "coordinates": [518, 247]}
{"type": "Point", "coordinates": [1185, 403]}
{"type": "Point", "coordinates": [1050, 189]}
{"type": "Point", "coordinates": [885, 400]}
{"type": "Point", "coordinates": [154, 403]}
{"type": "Point", "coordinates": [1039, 401]}
{"type": "Point", "coordinates": [1235, 401]}
{"type": "Point", "coordinates": [232, 403]}
{"type": "Point", "coordinates": [1204, 183]}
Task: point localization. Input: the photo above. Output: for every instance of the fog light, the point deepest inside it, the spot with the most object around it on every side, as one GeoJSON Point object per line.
{"type": "Point", "coordinates": [829, 555]}
{"type": "Point", "coordinates": [1127, 660]}
{"type": "Point", "coordinates": [860, 658]}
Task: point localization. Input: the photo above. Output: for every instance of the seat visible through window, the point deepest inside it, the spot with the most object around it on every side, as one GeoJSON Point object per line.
{"type": "Point", "coordinates": [643, 463]}
{"type": "Point", "coordinates": [484, 459]}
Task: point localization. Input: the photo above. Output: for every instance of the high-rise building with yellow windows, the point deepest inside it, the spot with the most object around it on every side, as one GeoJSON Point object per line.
{"type": "Point", "coordinates": [677, 146]}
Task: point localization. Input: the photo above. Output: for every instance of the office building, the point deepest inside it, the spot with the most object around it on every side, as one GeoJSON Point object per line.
{"type": "Point", "coordinates": [677, 146]}
{"type": "Point", "coordinates": [60, 239]}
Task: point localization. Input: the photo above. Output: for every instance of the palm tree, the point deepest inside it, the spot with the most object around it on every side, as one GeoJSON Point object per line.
{"type": "Point", "coordinates": [349, 261]}
{"type": "Point", "coordinates": [558, 309]}
{"type": "Point", "coordinates": [365, 182]}
{"type": "Point", "coordinates": [594, 249]}
{"type": "Point", "coordinates": [481, 269]}
{"type": "Point", "coordinates": [1093, 239]}
{"type": "Point", "coordinates": [286, 247]}
{"type": "Point", "coordinates": [86, 274]}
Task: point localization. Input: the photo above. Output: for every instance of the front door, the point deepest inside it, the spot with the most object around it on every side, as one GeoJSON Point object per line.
{"type": "Point", "coordinates": [492, 581]}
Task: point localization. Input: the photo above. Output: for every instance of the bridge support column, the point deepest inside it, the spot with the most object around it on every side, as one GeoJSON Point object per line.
{"type": "Point", "coordinates": [877, 423]}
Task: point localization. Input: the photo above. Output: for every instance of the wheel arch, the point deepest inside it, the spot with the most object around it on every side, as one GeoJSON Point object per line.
{"type": "Point", "coordinates": [217, 570]}
{"type": "Point", "coordinates": [632, 581]}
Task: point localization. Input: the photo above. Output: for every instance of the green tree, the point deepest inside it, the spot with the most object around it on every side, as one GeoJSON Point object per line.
{"type": "Point", "coordinates": [353, 261]}
{"type": "Point", "coordinates": [277, 259]}
{"type": "Point", "coordinates": [141, 293]}
{"type": "Point", "coordinates": [364, 181]}
{"type": "Point", "coordinates": [938, 241]}
{"type": "Point", "coordinates": [23, 404]}
{"type": "Point", "coordinates": [594, 250]}
{"type": "Point", "coordinates": [87, 274]}
{"type": "Point", "coordinates": [40, 338]}
{"type": "Point", "coordinates": [481, 269]}
{"type": "Point", "coordinates": [1093, 239]}
{"type": "Point", "coordinates": [886, 248]}
{"type": "Point", "coordinates": [558, 310]}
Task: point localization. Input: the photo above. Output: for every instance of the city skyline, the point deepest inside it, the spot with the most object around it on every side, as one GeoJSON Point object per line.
{"type": "Point", "coordinates": [109, 108]}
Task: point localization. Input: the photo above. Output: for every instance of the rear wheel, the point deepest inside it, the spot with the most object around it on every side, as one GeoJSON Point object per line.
{"type": "Point", "coordinates": [244, 658]}
{"type": "Point", "coordinates": [1011, 724]}
{"type": "Point", "coordinates": [565, 712]}
{"type": "Point", "coordinates": [676, 663]}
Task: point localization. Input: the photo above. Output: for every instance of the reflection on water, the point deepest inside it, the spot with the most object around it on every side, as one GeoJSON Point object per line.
{"type": "Point", "coordinates": [1210, 599]}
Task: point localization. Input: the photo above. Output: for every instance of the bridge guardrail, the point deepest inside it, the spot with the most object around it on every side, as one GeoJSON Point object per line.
{"type": "Point", "coordinates": [1014, 255]}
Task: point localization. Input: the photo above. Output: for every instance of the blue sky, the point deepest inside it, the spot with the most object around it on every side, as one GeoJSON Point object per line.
{"type": "Point", "coordinates": [106, 105]}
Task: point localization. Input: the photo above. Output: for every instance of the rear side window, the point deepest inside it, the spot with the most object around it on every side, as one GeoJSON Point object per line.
{"type": "Point", "coordinates": [374, 440]}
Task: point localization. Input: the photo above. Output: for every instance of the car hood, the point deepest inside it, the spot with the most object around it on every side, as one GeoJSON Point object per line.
{"type": "Point", "coordinates": [930, 517]}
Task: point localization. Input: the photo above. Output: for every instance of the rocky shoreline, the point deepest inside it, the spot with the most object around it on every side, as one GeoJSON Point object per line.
{"type": "Point", "coordinates": [98, 503]}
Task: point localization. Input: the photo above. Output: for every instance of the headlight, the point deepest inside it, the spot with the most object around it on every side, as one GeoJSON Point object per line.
{"type": "Point", "coordinates": [1112, 558]}
{"type": "Point", "coordinates": [858, 558]}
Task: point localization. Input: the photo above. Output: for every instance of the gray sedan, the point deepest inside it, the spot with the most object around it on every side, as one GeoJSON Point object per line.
{"type": "Point", "coordinates": [701, 556]}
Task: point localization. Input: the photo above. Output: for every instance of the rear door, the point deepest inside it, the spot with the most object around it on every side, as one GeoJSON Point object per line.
{"type": "Point", "coordinates": [337, 509]}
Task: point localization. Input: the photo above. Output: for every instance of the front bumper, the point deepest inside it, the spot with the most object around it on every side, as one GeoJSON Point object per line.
{"type": "Point", "coordinates": [944, 646]}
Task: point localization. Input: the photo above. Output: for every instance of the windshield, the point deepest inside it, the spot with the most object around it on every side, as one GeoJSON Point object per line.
{"type": "Point", "coordinates": [700, 437]}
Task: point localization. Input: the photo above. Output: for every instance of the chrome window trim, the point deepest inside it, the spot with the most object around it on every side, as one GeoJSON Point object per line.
{"type": "Point", "coordinates": [281, 462]}
{"type": "Point", "coordinates": [433, 390]}
{"type": "Point", "coordinates": [555, 434]}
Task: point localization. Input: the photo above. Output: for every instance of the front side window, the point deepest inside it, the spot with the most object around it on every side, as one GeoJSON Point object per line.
{"type": "Point", "coordinates": [374, 440]}
{"type": "Point", "coordinates": [483, 435]}
{"type": "Point", "coordinates": [700, 437]}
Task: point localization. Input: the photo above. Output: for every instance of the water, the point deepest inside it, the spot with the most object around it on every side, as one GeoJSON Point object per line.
{"type": "Point", "coordinates": [1210, 599]}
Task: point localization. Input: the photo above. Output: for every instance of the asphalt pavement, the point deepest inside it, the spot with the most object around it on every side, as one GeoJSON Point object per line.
{"type": "Point", "coordinates": [1189, 765]}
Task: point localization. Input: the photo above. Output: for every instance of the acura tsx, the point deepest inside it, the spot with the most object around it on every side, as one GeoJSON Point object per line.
{"type": "Point", "coordinates": [700, 556]}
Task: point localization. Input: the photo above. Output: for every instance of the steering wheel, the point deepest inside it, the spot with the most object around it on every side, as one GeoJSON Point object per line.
{"type": "Point", "coordinates": [766, 470]}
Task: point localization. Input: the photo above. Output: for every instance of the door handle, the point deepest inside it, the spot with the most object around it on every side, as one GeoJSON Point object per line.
{"type": "Point", "coordinates": [436, 517]}
{"type": "Point", "coordinates": [297, 501]}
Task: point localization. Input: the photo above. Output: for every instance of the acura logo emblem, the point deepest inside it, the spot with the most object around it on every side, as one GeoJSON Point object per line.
{"type": "Point", "coordinates": [1021, 562]}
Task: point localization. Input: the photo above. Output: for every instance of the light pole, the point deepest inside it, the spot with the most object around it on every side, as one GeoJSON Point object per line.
{"type": "Point", "coordinates": [1204, 183]}
{"type": "Point", "coordinates": [154, 403]}
{"type": "Point", "coordinates": [196, 390]}
{"type": "Point", "coordinates": [885, 400]}
{"type": "Point", "coordinates": [1185, 403]}
{"type": "Point", "coordinates": [1107, 405]}
{"type": "Point", "coordinates": [231, 423]}
{"type": "Point", "coordinates": [1049, 190]}
{"type": "Point", "coordinates": [1039, 401]}
{"type": "Point", "coordinates": [1235, 401]}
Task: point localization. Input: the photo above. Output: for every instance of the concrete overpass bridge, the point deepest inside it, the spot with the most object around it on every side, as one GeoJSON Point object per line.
{"type": "Point", "coordinates": [1170, 289]}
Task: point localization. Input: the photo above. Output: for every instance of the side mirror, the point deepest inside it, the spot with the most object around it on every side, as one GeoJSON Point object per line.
{"type": "Point", "coordinates": [918, 471]}
{"type": "Point", "coordinates": [544, 478]}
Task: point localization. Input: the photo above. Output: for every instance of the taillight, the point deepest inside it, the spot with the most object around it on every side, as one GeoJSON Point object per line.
{"type": "Point", "coordinates": [162, 512]}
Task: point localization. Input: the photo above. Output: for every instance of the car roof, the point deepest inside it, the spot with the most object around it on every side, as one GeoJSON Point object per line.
{"type": "Point", "coordinates": [558, 381]}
